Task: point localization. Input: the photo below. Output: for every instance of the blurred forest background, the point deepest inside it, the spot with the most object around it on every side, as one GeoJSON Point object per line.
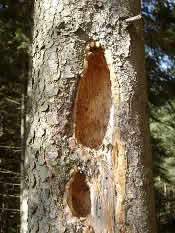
{"type": "Point", "coordinates": [15, 42]}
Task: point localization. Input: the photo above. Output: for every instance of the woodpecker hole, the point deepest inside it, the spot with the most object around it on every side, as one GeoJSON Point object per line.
{"type": "Point", "coordinates": [92, 108]}
{"type": "Point", "coordinates": [79, 196]}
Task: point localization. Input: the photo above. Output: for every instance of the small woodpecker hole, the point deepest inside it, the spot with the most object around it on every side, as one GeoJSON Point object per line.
{"type": "Point", "coordinates": [93, 102]}
{"type": "Point", "coordinates": [79, 196]}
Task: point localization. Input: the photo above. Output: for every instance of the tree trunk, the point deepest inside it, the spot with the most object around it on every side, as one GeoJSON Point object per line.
{"type": "Point", "coordinates": [24, 161]}
{"type": "Point", "coordinates": [90, 166]}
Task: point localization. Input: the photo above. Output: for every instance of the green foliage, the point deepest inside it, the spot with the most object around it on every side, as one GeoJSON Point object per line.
{"type": "Point", "coordinates": [160, 50]}
{"type": "Point", "coordinates": [163, 132]}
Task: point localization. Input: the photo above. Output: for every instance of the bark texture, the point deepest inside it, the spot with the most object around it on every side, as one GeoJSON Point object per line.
{"type": "Point", "coordinates": [90, 166]}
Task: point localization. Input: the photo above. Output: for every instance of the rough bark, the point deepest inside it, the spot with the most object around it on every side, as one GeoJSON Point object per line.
{"type": "Point", "coordinates": [90, 166]}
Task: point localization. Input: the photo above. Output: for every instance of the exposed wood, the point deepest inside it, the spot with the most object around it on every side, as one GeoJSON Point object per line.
{"type": "Point", "coordinates": [93, 102]}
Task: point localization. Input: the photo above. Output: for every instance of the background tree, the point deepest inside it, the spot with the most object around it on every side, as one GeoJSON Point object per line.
{"type": "Point", "coordinates": [14, 39]}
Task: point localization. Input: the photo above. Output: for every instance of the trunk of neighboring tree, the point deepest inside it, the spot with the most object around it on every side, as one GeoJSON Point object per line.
{"type": "Point", "coordinates": [88, 138]}
{"type": "Point", "coordinates": [24, 186]}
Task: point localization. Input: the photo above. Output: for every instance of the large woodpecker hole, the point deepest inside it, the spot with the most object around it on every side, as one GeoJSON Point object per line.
{"type": "Point", "coordinates": [92, 108]}
{"type": "Point", "coordinates": [79, 196]}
